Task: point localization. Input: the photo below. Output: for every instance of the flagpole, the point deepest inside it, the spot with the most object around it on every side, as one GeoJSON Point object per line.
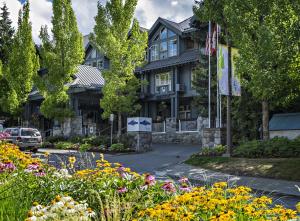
{"type": "Point", "coordinates": [209, 74]}
{"type": "Point", "coordinates": [218, 95]}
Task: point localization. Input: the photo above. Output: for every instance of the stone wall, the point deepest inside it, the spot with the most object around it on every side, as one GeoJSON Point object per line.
{"type": "Point", "coordinates": [141, 141]}
{"type": "Point", "coordinates": [213, 136]}
{"type": "Point", "coordinates": [177, 138]}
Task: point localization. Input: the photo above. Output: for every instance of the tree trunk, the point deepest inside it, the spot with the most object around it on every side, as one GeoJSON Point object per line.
{"type": "Point", "coordinates": [119, 125]}
{"type": "Point", "coordinates": [265, 120]}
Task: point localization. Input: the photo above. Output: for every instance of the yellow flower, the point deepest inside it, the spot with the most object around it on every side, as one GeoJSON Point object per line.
{"type": "Point", "coordinates": [46, 154]}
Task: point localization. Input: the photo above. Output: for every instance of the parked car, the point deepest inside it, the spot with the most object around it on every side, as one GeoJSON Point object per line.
{"type": "Point", "coordinates": [25, 138]}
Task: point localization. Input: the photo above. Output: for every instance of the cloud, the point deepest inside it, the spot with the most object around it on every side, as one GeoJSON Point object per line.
{"type": "Point", "coordinates": [147, 12]}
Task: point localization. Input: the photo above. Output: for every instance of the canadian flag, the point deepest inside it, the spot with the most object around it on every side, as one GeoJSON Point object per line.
{"type": "Point", "coordinates": [211, 41]}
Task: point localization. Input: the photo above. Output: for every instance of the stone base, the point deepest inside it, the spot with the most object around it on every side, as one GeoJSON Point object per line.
{"type": "Point", "coordinates": [213, 136]}
{"type": "Point", "coordinates": [177, 138]}
{"type": "Point", "coordinates": [142, 141]}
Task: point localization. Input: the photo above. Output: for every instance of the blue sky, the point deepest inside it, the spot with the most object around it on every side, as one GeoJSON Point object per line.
{"type": "Point", "coordinates": [147, 12]}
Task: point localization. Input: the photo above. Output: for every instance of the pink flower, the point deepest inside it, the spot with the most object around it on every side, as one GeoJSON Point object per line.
{"type": "Point", "coordinates": [121, 169]}
{"type": "Point", "coordinates": [183, 180]}
{"type": "Point", "coordinates": [169, 186]}
{"type": "Point", "coordinates": [185, 188]}
{"type": "Point", "coordinates": [40, 173]}
{"type": "Point", "coordinates": [150, 179]}
{"type": "Point", "coordinates": [33, 166]}
{"type": "Point", "coordinates": [9, 166]}
{"type": "Point", "coordinates": [122, 190]}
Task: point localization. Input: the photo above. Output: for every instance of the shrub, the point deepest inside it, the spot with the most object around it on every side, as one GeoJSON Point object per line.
{"type": "Point", "coordinates": [276, 147]}
{"type": "Point", "coordinates": [85, 147]}
{"type": "Point", "coordinates": [213, 151]}
{"type": "Point", "coordinates": [117, 147]}
{"type": "Point", "coordinates": [64, 145]}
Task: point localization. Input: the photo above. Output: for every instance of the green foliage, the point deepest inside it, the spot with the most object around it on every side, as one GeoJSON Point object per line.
{"type": "Point", "coordinates": [64, 145]}
{"type": "Point", "coordinates": [213, 151]}
{"type": "Point", "coordinates": [22, 64]}
{"type": "Point", "coordinates": [276, 147]}
{"type": "Point", "coordinates": [61, 57]}
{"type": "Point", "coordinates": [6, 34]}
{"type": "Point", "coordinates": [117, 147]}
{"type": "Point", "coordinates": [119, 37]}
{"type": "Point", "coordinates": [85, 147]}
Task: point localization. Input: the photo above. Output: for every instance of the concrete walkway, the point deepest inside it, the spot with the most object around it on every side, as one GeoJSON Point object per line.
{"type": "Point", "coordinates": [204, 176]}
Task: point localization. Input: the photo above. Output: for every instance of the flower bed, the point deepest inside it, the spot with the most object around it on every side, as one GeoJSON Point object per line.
{"type": "Point", "coordinates": [34, 191]}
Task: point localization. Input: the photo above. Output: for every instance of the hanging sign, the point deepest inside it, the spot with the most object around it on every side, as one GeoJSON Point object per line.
{"type": "Point", "coordinates": [223, 69]}
{"type": "Point", "coordinates": [235, 80]}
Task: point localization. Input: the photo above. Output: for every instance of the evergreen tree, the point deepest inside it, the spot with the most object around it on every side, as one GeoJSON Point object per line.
{"type": "Point", "coordinates": [119, 37]}
{"type": "Point", "coordinates": [61, 57]}
{"type": "Point", "coordinates": [22, 64]}
{"type": "Point", "coordinates": [6, 38]}
{"type": "Point", "coordinates": [6, 34]}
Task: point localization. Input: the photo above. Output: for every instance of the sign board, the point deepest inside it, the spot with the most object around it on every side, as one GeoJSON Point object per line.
{"type": "Point", "coordinates": [139, 124]}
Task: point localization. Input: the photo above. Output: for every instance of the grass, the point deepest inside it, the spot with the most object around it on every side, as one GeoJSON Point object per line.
{"type": "Point", "coordinates": [279, 168]}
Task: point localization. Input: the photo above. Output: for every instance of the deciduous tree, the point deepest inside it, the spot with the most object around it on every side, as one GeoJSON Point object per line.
{"type": "Point", "coordinates": [22, 64]}
{"type": "Point", "coordinates": [119, 37]}
{"type": "Point", "coordinates": [61, 57]}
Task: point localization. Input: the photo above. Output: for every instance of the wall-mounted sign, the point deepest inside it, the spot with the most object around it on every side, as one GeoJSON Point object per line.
{"type": "Point", "coordinates": [139, 124]}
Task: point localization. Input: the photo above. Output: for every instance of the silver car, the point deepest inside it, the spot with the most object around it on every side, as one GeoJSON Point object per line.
{"type": "Point", "coordinates": [25, 138]}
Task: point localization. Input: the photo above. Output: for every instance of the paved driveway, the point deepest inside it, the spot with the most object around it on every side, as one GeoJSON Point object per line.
{"type": "Point", "coordinates": [162, 155]}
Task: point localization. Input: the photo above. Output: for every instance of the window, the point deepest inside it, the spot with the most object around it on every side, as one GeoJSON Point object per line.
{"type": "Point", "coordinates": [172, 48]}
{"type": "Point", "coordinates": [163, 33]}
{"type": "Point", "coordinates": [154, 52]}
{"type": "Point", "coordinates": [100, 64]}
{"type": "Point", "coordinates": [93, 53]}
{"type": "Point", "coordinates": [185, 112]}
{"type": "Point", "coordinates": [163, 50]}
{"type": "Point", "coordinates": [170, 34]}
{"type": "Point", "coordinates": [189, 44]}
{"type": "Point", "coordinates": [163, 80]}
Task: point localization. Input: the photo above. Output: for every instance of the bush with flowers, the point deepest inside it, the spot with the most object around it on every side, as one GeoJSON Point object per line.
{"type": "Point", "coordinates": [113, 192]}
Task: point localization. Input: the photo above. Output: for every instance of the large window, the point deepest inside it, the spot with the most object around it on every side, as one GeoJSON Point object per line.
{"type": "Point", "coordinates": [172, 48]}
{"type": "Point", "coordinates": [163, 82]}
{"type": "Point", "coordinates": [163, 50]}
{"type": "Point", "coordinates": [154, 52]}
{"type": "Point", "coordinates": [164, 45]}
{"type": "Point", "coordinates": [163, 34]}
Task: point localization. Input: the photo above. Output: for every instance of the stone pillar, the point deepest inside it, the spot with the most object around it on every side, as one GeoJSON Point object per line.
{"type": "Point", "coordinates": [213, 136]}
{"type": "Point", "coordinates": [141, 141]}
{"type": "Point", "coordinates": [171, 125]}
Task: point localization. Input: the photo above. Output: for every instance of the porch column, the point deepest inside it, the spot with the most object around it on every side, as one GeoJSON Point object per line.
{"type": "Point", "coordinates": [176, 102]}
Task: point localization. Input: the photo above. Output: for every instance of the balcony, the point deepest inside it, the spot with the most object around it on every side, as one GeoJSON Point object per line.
{"type": "Point", "coordinates": [163, 90]}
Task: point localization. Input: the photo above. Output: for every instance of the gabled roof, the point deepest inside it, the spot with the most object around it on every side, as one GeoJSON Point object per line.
{"type": "Point", "coordinates": [178, 28]}
{"type": "Point", "coordinates": [87, 77]}
{"type": "Point", "coordinates": [288, 121]}
{"type": "Point", "coordinates": [185, 57]}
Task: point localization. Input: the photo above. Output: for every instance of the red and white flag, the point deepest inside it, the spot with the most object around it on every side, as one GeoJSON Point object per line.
{"type": "Point", "coordinates": [211, 41]}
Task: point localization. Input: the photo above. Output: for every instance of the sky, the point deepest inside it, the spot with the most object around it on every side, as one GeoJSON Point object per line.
{"type": "Point", "coordinates": [147, 12]}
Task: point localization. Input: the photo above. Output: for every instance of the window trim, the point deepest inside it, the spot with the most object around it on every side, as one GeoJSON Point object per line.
{"type": "Point", "coordinates": [166, 82]}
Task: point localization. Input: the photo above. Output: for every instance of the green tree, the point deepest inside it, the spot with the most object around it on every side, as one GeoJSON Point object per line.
{"type": "Point", "coordinates": [6, 34]}
{"type": "Point", "coordinates": [119, 37]}
{"type": "Point", "coordinates": [266, 47]}
{"type": "Point", "coordinates": [265, 32]}
{"type": "Point", "coordinates": [22, 64]}
{"type": "Point", "coordinates": [6, 39]}
{"type": "Point", "coordinates": [61, 57]}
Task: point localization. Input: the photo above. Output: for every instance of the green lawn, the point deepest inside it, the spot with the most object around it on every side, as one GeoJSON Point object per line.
{"type": "Point", "coordinates": [279, 168]}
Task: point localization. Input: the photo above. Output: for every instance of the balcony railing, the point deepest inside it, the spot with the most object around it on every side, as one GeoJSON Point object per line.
{"type": "Point", "coordinates": [165, 89]}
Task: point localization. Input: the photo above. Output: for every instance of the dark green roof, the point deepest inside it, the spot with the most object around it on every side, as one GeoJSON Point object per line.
{"type": "Point", "coordinates": [288, 121]}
